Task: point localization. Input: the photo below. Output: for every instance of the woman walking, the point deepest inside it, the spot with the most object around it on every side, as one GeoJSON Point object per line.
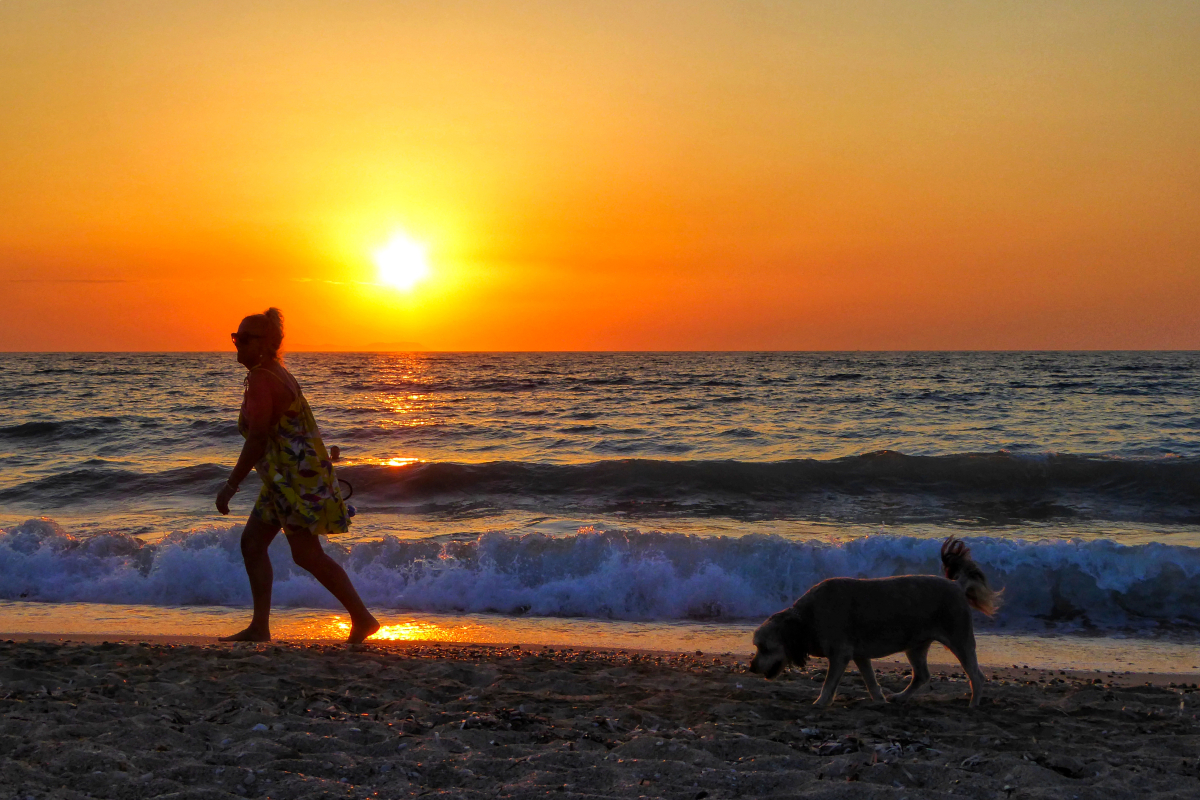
{"type": "Point", "coordinates": [299, 495]}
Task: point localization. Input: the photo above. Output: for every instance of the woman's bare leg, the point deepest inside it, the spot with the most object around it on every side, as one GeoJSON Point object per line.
{"type": "Point", "coordinates": [256, 538]}
{"type": "Point", "coordinates": [307, 553]}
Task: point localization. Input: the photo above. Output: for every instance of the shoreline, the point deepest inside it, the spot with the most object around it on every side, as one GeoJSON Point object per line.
{"type": "Point", "coordinates": [285, 721]}
{"type": "Point", "coordinates": [1116, 651]}
{"type": "Point", "coordinates": [895, 664]}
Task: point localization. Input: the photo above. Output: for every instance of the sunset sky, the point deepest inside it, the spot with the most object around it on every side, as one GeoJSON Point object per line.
{"type": "Point", "coordinates": [602, 175]}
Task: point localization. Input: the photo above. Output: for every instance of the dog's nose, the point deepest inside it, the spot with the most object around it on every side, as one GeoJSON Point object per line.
{"type": "Point", "coordinates": [754, 665]}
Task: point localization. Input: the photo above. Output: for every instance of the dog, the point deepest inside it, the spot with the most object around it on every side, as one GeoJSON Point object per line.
{"type": "Point", "coordinates": [863, 618]}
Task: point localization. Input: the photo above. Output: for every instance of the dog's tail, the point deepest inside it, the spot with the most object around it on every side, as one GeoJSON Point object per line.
{"type": "Point", "coordinates": [959, 567]}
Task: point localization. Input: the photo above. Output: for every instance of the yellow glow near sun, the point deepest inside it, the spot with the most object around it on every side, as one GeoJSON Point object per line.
{"type": "Point", "coordinates": [402, 262]}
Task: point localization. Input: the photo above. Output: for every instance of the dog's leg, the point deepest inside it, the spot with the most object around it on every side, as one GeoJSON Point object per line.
{"type": "Point", "coordinates": [868, 676]}
{"type": "Point", "coordinates": [917, 656]}
{"type": "Point", "coordinates": [837, 666]}
{"type": "Point", "coordinates": [965, 653]}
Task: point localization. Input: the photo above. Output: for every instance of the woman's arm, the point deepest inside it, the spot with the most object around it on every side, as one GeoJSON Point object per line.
{"type": "Point", "coordinates": [258, 411]}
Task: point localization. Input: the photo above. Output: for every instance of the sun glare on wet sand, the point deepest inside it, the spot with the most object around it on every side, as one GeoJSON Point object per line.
{"type": "Point", "coordinates": [402, 632]}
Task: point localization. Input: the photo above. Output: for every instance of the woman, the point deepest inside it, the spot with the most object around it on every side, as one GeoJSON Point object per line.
{"type": "Point", "coordinates": [300, 494]}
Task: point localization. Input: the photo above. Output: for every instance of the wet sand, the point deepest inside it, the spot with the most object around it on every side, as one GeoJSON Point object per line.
{"type": "Point", "coordinates": [191, 719]}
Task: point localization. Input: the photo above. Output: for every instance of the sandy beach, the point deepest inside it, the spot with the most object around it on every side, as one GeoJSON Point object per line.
{"type": "Point", "coordinates": [171, 718]}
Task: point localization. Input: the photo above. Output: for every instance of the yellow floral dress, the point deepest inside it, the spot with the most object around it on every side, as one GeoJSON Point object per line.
{"type": "Point", "coordinates": [300, 491]}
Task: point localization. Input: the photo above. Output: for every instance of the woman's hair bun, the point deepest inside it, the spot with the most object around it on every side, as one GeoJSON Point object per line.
{"type": "Point", "coordinates": [275, 317]}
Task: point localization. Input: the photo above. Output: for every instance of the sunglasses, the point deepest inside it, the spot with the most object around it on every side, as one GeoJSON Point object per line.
{"type": "Point", "coordinates": [240, 339]}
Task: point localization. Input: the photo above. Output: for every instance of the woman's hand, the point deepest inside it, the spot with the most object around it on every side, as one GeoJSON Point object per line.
{"type": "Point", "coordinates": [257, 410]}
{"type": "Point", "coordinates": [224, 496]}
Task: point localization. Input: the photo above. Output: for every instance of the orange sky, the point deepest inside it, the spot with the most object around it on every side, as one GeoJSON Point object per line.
{"type": "Point", "coordinates": [643, 175]}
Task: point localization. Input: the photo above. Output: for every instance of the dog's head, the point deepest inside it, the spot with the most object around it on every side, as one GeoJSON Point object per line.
{"type": "Point", "coordinates": [781, 640]}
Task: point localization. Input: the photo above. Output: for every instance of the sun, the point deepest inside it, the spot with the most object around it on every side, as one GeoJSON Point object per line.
{"type": "Point", "coordinates": [402, 262]}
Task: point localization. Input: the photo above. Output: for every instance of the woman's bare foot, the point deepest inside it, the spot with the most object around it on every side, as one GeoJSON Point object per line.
{"type": "Point", "coordinates": [360, 629]}
{"type": "Point", "coordinates": [253, 634]}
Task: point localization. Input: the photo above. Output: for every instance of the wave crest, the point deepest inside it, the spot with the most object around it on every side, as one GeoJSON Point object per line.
{"type": "Point", "coordinates": [614, 574]}
{"type": "Point", "coordinates": [880, 487]}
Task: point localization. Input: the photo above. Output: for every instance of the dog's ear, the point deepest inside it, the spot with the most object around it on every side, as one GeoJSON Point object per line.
{"type": "Point", "coordinates": [795, 631]}
{"type": "Point", "coordinates": [954, 554]}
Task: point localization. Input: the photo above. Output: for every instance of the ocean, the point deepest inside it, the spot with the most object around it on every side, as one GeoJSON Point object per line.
{"type": "Point", "coordinates": [654, 500]}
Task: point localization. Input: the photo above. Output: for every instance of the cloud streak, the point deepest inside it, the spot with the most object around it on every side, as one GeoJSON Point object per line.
{"type": "Point", "coordinates": [63, 280]}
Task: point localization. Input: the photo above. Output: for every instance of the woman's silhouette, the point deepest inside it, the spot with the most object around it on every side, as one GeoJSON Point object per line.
{"type": "Point", "coordinates": [300, 494]}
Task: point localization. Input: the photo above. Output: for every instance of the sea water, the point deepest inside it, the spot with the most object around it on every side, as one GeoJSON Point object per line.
{"type": "Point", "coordinates": [658, 500]}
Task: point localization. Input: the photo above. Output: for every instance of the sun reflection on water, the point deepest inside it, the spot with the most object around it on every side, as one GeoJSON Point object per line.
{"type": "Point", "coordinates": [411, 410]}
{"type": "Point", "coordinates": [400, 461]}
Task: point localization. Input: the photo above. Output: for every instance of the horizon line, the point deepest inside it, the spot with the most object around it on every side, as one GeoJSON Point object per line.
{"type": "Point", "coordinates": [566, 351]}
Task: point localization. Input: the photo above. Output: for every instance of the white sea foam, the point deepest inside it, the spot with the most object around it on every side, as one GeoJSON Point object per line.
{"type": "Point", "coordinates": [614, 574]}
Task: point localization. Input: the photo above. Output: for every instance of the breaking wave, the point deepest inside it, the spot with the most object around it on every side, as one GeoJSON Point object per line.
{"type": "Point", "coordinates": [614, 574]}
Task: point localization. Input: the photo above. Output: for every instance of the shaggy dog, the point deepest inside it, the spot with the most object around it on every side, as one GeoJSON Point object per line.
{"type": "Point", "coordinates": [850, 618]}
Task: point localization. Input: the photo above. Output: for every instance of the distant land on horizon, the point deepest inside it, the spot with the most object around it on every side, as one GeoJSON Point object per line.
{"type": "Point", "coordinates": [416, 347]}
{"type": "Point", "coordinates": [393, 347]}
